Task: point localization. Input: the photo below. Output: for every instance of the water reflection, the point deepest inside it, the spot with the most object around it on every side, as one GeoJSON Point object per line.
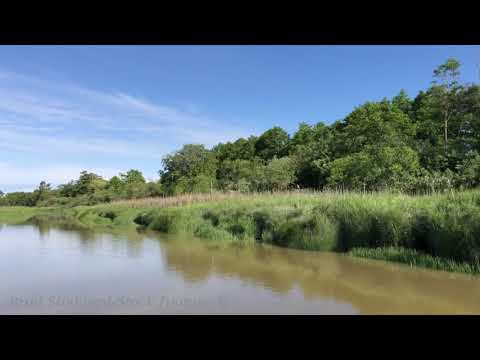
{"type": "Point", "coordinates": [81, 261]}
{"type": "Point", "coordinates": [370, 286]}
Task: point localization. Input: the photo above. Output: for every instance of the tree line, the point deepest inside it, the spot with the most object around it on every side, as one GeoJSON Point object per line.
{"type": "Point", "coordinates": [425, 144]}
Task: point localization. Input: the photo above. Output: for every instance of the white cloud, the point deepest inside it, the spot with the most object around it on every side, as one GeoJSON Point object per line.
{"type": "Point", "coordinates": [31, 100]}
{"type": "Point", "coordinates": [39, 116]}
{"type": "Point", "coordinates": [68, 144]}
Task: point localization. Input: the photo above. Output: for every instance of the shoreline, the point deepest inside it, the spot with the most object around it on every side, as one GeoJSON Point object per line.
{"type": "Point", "coordinates": [435, 231]}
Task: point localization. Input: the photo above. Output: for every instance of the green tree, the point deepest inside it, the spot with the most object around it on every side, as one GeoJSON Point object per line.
{"type": "Point", "coordinates": [280, 173]}
{"type": "Point", "coordinates": [469, 172]}
{"type": "Point", "coordinates": [43, 191]}
{"type": "Point", "coordinates": [446, 77]}
{"type": "Point", "coordinates": [132, 177]}
{"type": "Point", "coordinates": [69, 189]}
{"type": "Point", "coordinates": [374, 124]}
{"type": "Point", "coordinates": [241, 149]}
{"type": "Point", "coordinates": [272, 143]}
{"type": "Point", "coordinates": [403, 102]}
{"type": "Point", "coordinates": [19, 199]}
{"type": "Point", "coordinates": [235, 174]}
{"type": "Point", "coordinates": [115, 185]}
{"type": "Point", "coordinates": [87, 183]}
{"type": "Point", "coordinates": [375, 169]}
{"type": "Point", "coordinates": [465, 129]}
{"type": "Point", "coordinates": [185, 169]}
{"type": "Point", "coordinates": [310, 151]}
{"type": "Point", "coordinates": [134, 184]}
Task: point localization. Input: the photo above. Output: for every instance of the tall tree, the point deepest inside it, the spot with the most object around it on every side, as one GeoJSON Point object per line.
{"type": "Point", "coordinates": [446, 78]}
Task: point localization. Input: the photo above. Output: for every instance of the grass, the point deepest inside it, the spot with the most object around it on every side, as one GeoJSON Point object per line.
{"type": "Point", "coordinates": [413, 257]}
{"type": "Point", "coordinates": [15, 214]}
{"type": "Point", "coordinates": [439, 231]}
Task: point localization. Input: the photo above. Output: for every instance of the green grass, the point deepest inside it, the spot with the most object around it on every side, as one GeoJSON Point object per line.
{"type": "Point", "coordinates": [15, 214]}
{"type": "Point", "coordinates": [443, 226]}
{"type": "Point", "coordinates": [413, 257]}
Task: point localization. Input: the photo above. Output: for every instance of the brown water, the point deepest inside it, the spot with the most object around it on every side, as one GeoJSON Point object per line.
{"type": "Point", "coordinates": [52, 270]}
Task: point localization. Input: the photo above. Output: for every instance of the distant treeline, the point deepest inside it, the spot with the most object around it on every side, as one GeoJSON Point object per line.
{"type": "Point", "coordinates": [426, 144]}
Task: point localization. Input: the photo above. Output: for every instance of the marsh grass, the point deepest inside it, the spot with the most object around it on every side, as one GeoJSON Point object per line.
{"type": "Point", "coordinates": [441, 225]}
{"type": "Point", "coordinates": [15, 214]}
{"type": "Point", "coordinates": [413, 257]}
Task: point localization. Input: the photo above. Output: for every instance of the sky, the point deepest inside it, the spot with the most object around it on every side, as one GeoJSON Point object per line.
{"type": "Point", "coordinates": [108, 109]}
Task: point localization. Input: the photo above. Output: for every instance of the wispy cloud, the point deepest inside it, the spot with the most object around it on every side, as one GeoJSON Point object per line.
{"type": "Point", "coordinates": [43, 116]}
{"type": "Point", "coordinates": [32, 100]}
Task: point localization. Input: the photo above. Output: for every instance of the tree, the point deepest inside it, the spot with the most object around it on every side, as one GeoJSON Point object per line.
{"type": "Point", "coordinates": [87, 183]}
{"type": "Point", "coordinates": [272, 143]}
{"type": "Point", "coordinates": [374, 124]}
{"type": "Point", "coordinates": [43, 191]}
{"type": "Point", "coordinates": [280, 173]}
{"type": "Point", "coordinates": [310, 151]}
{"type": "Point", "coordinates": [188, 166]}
{"type": "Point", "coordinates": [403, 102]}
{"type": "Point", "coordinates": [1, 193]}
{"type": "Point", "coordinates": [115, 185]}
{"type": "Point", "coordinates": [469, 172]}
{"type": "Point", "coordinates": [69, 189]}
{"type": "Point", "coordinates": [235, 174]}
{"type": "Point", "coordinates": [132, 177]}
{"type": "Point", "coordinates": [133, 184]}
{"type": "Point", "coordinates": [241, 149]}
{"type": "Point", "coordinates": [446, 78]}
{"type": "Point", "coordinates": [429, 136]}
{"type": "Point", "coordinates": [375, 169]}
{"type": "Point", "coordinates": [466, 127]}
{"type": "Point", "coordinates": [19, 199]}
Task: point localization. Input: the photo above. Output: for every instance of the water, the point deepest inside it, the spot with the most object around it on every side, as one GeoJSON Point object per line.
{"type": "Point", "coordinates": [57, 270]}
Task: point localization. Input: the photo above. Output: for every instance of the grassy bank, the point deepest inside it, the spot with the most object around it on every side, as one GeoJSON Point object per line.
{"type": "Point", "coordinates": [413, 257]}
{"type": "Point", "coordinates": [440, 231]}
{"type": "Point", "coordinates": [16, 214]}
{"type": "Point", "coordinates": [443, 229]}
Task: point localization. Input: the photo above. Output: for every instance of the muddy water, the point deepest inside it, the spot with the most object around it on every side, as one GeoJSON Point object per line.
{"type": "Point", "coordinates": [53, 270]}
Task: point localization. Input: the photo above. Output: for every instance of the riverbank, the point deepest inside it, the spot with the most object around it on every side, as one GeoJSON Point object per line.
{"type": "Point", "coordinates": [16, 214]}
{"type": "Point", "coordinates": [442, 229]}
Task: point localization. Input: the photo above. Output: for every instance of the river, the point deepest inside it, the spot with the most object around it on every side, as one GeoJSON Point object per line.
{"type": "Point", "coordinates": [52, 269]}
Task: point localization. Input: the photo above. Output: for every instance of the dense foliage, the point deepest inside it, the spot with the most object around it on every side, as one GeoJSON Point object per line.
{"type": "Point", "coordinates": [426, 144]}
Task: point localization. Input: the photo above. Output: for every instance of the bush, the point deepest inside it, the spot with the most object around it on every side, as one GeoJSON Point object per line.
{"type": "Point", "coordinates": [291, 228]}
{"type": "Point", "coordinates": [108, 214]}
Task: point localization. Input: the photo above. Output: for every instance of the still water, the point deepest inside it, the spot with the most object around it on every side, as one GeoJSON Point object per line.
{"type": "Point", "coordinates": [48, 269]}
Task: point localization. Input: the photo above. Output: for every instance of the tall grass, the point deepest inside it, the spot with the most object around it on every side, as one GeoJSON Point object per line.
{"type": "Point", "coordinates": [444, 226]}
{"type": "Point", "coordinates": [441, 225]}
{"type": "Point", "coordinates": [15, 214]}
{"type": "Point", "coordinates": [413, 257]}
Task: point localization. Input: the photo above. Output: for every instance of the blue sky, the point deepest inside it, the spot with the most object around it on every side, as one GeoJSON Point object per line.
{"type": "Point", "coordinates": [111, 108]}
